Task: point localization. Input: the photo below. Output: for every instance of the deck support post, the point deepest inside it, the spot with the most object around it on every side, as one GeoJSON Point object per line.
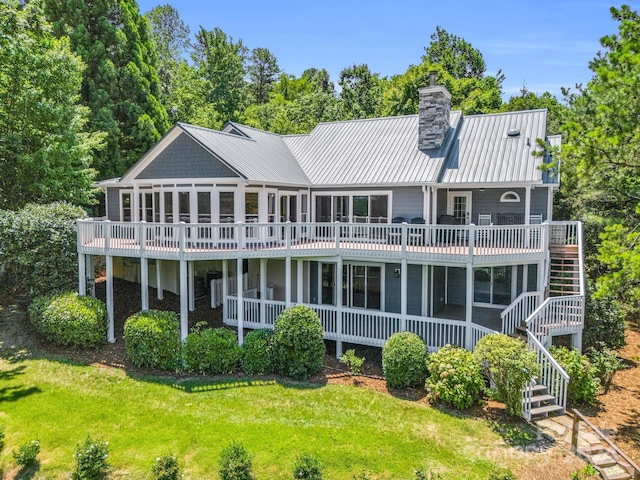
{"type": "Point", "coordinates": [91, 276]}
{"type": "Point", "coordinates": [240, 309]}
{"type": "Point", "coordinates": [159, 279]}
{"type": "Point", "coordinates": [225, 292]}
{"type": "Point", "coordinates": [469, 308]}
{"type": "Point", "coordinates": [541, 276]}
{"type": "Point", "coordinates": [338, 284]}
{"type": "Point", "coordinates": [111, 331]}
{"type": "Point", "coordinates": [144, 282]}
{"type": "Point", "coordinates": [82, 274]}
{"type": "Point", "coordinates": [299, 282]}
{"type": "Point", "coordinates": [403, 295]}
{"type": "Point", "coordinates": [184, 301]}
{"type": "Point", "coordinates": [576, 341]}
{"type": "Point", "coordinates": [191, 284]}
{"type": "Point", "coordinates": [263, 292]}
{"type": "Point", "coordinates": [287, 281]}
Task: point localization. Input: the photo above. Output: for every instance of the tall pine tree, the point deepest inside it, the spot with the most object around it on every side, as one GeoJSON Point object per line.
{"type": "Point", "coordinates": [120, 84]}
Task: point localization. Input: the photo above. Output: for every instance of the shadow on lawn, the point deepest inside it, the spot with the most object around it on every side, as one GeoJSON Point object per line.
{"type": "Point", "coordinates": [14, 393]}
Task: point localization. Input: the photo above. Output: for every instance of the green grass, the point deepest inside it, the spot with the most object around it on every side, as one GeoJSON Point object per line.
{"type": "Point", "coordinates": [351, 430]}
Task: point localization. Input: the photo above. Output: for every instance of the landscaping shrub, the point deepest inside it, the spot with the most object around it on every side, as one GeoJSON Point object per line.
{"type": "Point", "coordinates": [91, 460]}
{"type": "Point", "coordinates": [404, 360]}
{"type": "Point", "coordinates": [583, 384]}
{"type": "Point", "coordinates": [212, 350]}
{"type": "Point", "coordinates": [38, 247]}
{"type": "Point", "coordinates": [606, 363]}
{"type": "Point", "coordinates": [1, 440]}
{"type": "Point", "coordinates": [354, 363]}
{"type": "Point", "coordinates": [166, 468]}
{"type": "Point", "coordinates": [152, 339]}
{"type": "Point", "coordinates": [307, 466]}
{"type": "Point", "coordinates": [26, 453]}
{"type": "Point", "coordinates": [235, 463]}
{"type": "Point", "coordinates": [604, 326]}
{"type": "Point", "coordinates": [499, 473]}
{"type": "Point", "coordinates": [455, 377]}
{"type": "Point", "coordinates": [298, 348]}
{"type": "Point", "coordinates": [70, 319]}
{"type": "Point", "coordinates": [509, 364]}
{"type": "Point", "coordinates": [257, 357]}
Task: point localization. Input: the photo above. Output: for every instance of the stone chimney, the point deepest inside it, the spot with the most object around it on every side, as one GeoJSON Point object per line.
{"type": "Point", "coordinates": [433, 115]}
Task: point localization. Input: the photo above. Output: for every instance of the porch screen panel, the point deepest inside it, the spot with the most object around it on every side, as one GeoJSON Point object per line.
{"type": "Point", "coordinates": [168, 207]}
{"type": "Point", "coordinates": [184, 207]}
{"type": "Point", "coordinates": [328, 284]}
{"type": "Point", "coordinates": [379, 208]}
{"type": "Point", "coordinates": [373, 287]}
{"type": "Point", "coordinates": [251, 207]}
{"type": "Point", "coordinates": [360, 209]}
{"type": "Point", "coordinates": [227, 207]}
{"type": "Point", "coordinates": [156, 207]}
{"type": "Point", "coordinates": [341, 208]}
{"type": "Point", "coordinates": [502, 285]}
{"type": "Point", "coordinates": [204, 207]}
{"type": "Point", "coordinates": [359, 287]}
{"type": "Point", "coordinates": [323, 208]}
{"type": "Point", "coordinates": [482, 285]}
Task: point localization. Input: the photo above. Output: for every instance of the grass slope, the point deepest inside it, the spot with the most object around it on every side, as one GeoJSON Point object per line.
{"type": "Point", "coordinates": [351, 430]}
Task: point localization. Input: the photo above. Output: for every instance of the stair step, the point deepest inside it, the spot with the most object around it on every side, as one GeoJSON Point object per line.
{"type": "Point", "coordinates": [603, 460]}
{"type": "Point", "coordinates": [543, 398]}
{"type": "Point", "coordinates": [546, 410]}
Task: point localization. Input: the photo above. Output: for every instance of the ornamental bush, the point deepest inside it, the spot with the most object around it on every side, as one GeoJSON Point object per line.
{"type": "Point", "coordinates": [509, 364]}
{"type": "Point", "coordinates": [166, 468]}
{"type": "Point", "coordinates": [70, 319]}
{"type": "Point", "coordinates": [38, 247]}
{"type": "Point", "coordinates": [26, 453]}
{"type": "Point", "coordinates": [257, 356]}
{"type": "Point", "coordinates": [298, 348]}
{"type": "Point", "coordinates": [235, 463]}
{"type": "Point", "coordinates": [91, 460]}
{"type": "Point", "coordinates": [308, 467]}
{"type": "Point", "coordinates": [606, 364]}
{"type": "Point", "coordinates": [152, 339]}
{"type": "Point", "coordinates": [583, 384]}
{"type": "Point", "coordinates": [213, 351]}
{"type": "Point", "coordinates": [455, 377]}
{"type": "Point", "coordinates": [404, 360]}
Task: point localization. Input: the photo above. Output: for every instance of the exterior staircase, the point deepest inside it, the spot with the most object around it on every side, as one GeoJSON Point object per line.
{"type": "Point", "coordinates": [541, 403]}
{"type": "Point", "coordinates": [607, 462]}
{"type": "Point", "coordinates": [564, 270]}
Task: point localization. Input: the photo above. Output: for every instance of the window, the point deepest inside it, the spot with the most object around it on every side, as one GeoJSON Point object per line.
{"type": "Point", "coordinates": [492, 285]}
{"type": "Point", "coordinates": [361, 286]}
{"type": "Point", "coordinates": [184, 206]}
{"type": "Point", "coordinates": [251, 207]}
{"type": "Point", "coordinates": [510, 197]}
{"type": "Point", "coordinates": [204, 207]}
{"type": "Point", "coordinates": [126, 207]}
{"type": "Point", "coordinates": [168, 207]}
{"type": "Point", "coordinates": [359, 208]}
{"type": "Point", "coordinates": [227, 208]}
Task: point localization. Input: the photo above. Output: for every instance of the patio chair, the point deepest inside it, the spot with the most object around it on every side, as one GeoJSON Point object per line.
{"type": "Point", "coordinates": [394, 236]}
{"type": "Point", "coordinates": [484, 220]}
{"type": "Point", "coordinates": [416, 235]}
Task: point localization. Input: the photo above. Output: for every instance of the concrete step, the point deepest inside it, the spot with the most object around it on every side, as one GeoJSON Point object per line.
{"type": "Point", "coordinates": [546, 410]}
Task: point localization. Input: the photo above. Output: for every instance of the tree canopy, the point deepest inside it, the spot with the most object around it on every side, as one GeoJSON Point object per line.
{"type": "Point", "coordinates": [455, 55]}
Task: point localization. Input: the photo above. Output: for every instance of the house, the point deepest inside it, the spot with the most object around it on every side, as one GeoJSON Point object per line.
{"type": "Point", "coordinates": [436, 223]}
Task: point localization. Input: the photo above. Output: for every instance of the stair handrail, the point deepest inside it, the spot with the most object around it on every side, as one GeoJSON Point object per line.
{"type": "Point", "coordinates": [577, 417]}
{"type": "Point", "coordinates": [537, 318]}
{"type": "Point", "coordinates": [550, 374]}
{"type": "Point", "coordinates": [519, 310]}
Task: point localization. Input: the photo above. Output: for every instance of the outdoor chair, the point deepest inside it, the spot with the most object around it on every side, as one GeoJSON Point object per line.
{"type": "Point", "coordinates": [395, 233]}
{"type": "Point", "coordinates": [416, 235]}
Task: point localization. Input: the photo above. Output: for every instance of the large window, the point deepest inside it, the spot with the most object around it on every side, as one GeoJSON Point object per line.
{"type": "Point", "coordinates": [356, 208]}
{"type": "Point", "coordinates": [361, 286]}
{"type": "Point", "coordinates": [492, 285]}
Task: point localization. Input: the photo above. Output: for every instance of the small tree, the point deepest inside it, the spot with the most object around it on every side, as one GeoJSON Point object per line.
{"type": "Point", "coordinates": [510, 366]}
{"type": "Point", "coordinates": [235, 463]}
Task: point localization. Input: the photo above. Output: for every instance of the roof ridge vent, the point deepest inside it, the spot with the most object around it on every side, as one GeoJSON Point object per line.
{"type": "Point", "coordinates": [513, 132]}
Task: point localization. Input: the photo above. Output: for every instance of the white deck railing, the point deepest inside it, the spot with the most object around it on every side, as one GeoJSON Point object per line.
{"type": "Point", "coordinates": [181, 241]}
{"type": "Point", "coordinates": [519, 310]}
{"type": "Point", "coordinates": [557, 315]}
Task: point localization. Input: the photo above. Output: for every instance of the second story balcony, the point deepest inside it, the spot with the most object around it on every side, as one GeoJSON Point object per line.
{"type": "Point", "coordinates": [468, 244]}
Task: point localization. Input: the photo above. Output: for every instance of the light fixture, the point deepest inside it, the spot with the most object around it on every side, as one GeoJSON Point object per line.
{"type": "Point", "coordinates": [396, 272]}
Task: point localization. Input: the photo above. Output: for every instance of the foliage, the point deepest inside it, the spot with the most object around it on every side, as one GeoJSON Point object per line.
{"type": "Point", "coordinates": [120, 85]}
{"type": "Point", "coordinates": [361, 92]}
{"type": "Point", "coordinates": [152, 339]}
{"type": "Point", "coordinates": [526, 100]}
{"type": "Point", "coordinates": [606, 363]}
{"type": "Point", "coordinates": [26, 453]}
{"type": "Point", "coordinates": [509, 365]}
{"type": "Point", "coordinates": [298, 347]}
{"type": "Point", "coordinates": [45, 154]}
{"type": "Point", "coordinates": [583, 384]}
{"type": "Point", "coordinates": [499, 473]}
{"type": "Point", "coordinates": [38, 247]}
{"type": "Point", "coordinates": [307, 466]}
{"type": "Point", "coordinates": [235, 463]}
{"type": "Point", "coordinates": [426, 474]}
{"type": "Point", "coordinates": [455, 377]}
{"type": "Point", "coordinates": [91, 460]}
{"type": "Point", "coordinates": [166, 467]}
{"type": "Point", "coordinates": [354, 362]}
{"type": "Point", "coordinates": [212, 350]}
{"type": "Point", "coordinates": [588, 472]}
{"type": "Point", "coordinates": [257, 357]}
{"type": "Point", "coordinates": [70, 319]}
{"type": "Point", "coordinates": [604, 326]}
{"type": "Point", "coordinates": [2, 434]}
{"type": "Point", "coordinates": [404, 360]}
{"type": "Point", "coordinates": [262, 70]}
{"type": "Point", "coordinates": [455, 55]}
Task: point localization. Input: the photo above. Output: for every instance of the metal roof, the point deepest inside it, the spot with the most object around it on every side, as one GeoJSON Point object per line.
{"type": "Point", "coordinates": [483, 152]}
{"type": "Point", "coordinates": [369, 152]}
{"type": "Point", "coordinates": [262, 157]}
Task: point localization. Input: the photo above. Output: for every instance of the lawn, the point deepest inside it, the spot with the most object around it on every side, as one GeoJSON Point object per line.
{"type": "Point", "coordinates": [351, 430]}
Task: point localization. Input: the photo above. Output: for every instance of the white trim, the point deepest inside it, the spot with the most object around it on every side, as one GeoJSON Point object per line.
{"type": "Point", "coordinates": [504, 199]}
{"type": "Point", "coordinates": [451, 194]}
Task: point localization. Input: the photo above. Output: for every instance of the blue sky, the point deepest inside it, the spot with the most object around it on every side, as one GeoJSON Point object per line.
{"type": "Point", "coordinates": [545, 44]}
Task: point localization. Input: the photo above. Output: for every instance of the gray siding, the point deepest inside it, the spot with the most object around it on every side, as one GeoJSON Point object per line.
{"type": "Point", "coordinates": [489, 202]}
{"type": "Point", "coordinates": [113, 204]}
{"type": "Point", "coordinates": [438, 288]}
{"type": "Point", "coordinates": [313, 283]}
{"type": "Point", "coordinates": [184, 158]}
{"type": "Point", "coordinates": [539, 202]}
{"type": "Point", "coordinates": [391, 289]}
{"type": "Point", "coordinates": [415, 291]}
{"type": "Point", "coordinates": [407, 203]}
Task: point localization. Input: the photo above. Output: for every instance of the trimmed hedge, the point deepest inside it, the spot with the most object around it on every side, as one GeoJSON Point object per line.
{"type": "Point", "coordinates": [404, 360]}
{"type": "Point", "coordinates": [152, 339]}
{"type": "Point", "coordinates": [298, 348]}
{"type": "Point", "coordinates": [257, 356]}
{"type": "Point", "coordinates": [213, 350]}
{"type": "Point", "coordinates": [70, 319]}
{"type": "Point", "coordinates": [455, 377]}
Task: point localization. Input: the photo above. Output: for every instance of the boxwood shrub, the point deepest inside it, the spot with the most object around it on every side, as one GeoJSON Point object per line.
{"type": "Point", "coordinates": [298, 348]}
{"type": "Point", "coordinates": [455, 377]}
{"type": "Point", "coordinates": [152, 339]}
{"type": "Point", "coordinates": [257, 357]}
{"type": "Point", "coordinates": [70, 319]}
{"type": "Point", "coordinates": [404, 360]}
{"type": "Point", "coordinates": [212, 350]}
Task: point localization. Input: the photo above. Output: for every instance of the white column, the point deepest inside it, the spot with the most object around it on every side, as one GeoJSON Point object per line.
{"type": "Point", "coordinates": [525, 277]}
{"type": "Point", "coordinates": [159, 279]}
{"type": "Point", "coordinates": [403, 295]}
{"type": "Point", "coordinates": [434, 205]}
{"type": "Point", "coordinates": [82, 275]}
{"type": "Point", "coordinates": [550, 204]}
{"type": "Point", "coordinates": [111, 330]}
{"type": "Point", "coordinates": [541, 276]}
{"type": "Point", "coordinates": [287, 281]}
{"type": "Point", "coordinates": [191, 284]}
{"type": "Point", "coordinates": [135, 204]}
{"type": "Point", "coordinates": [240, 300]}
{"type": "Point", "coordinates": [339, 307]}
{"type": "Point", "coordinates": [469, 312]}
{"type": "Point", "coordinates": [527, 205]}
{"type": "Point", "coordinates": [144, 282]}
{"type": "Point", "coordinates": [263, 291]}
{"type": "Point", "coordinates": [299, 282]}
{"type": "Point", "coordinates": [225, 279]}
{"type": "Point", "coordinates": [184, 301]}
